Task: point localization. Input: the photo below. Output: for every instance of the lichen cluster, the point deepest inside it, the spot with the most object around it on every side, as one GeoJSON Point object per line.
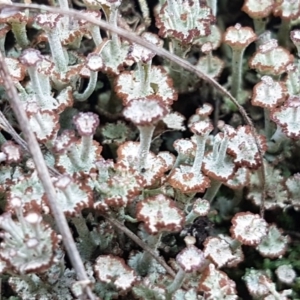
{"type": "Point", "coordinates": [172, 178]}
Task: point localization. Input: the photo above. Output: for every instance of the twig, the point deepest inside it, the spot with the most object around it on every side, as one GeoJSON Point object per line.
{"type": "Point", "coordinates": [164, 53]}
{"type": "Point", "coordinates": [143, 245]}
{"type": "Point", "coordinates": [43, 173]}
{"type": "Point", "coordinates": [4, 124]}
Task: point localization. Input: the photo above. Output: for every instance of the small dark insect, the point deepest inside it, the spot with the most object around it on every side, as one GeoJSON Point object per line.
{"type": "Point", "coordinates": [200, 229]}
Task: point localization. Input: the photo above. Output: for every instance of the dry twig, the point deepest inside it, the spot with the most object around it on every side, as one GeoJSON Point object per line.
{"type": "Point", "coordinates": [143, 245]}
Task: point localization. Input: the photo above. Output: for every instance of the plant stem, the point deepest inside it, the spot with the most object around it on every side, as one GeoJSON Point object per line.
{"type": "Point", "coordinates": [145, 12]}
{"type": "Point", "coordinates": [212, 191]}
{"type": "Point", "coordinates": [213, 4]}
{"type": "Point", "coordinates": [64, 4]}
{"type": "Point", "coordinates": [57, 52]}
{"type": "Point", "coordinates": [2, 44]}
{"type": "Point", "coordinates": [113, 21]}
{"type": "Point", "coordinates": [189, 219]}
{"type": "Point", "coordinates": [89, 89]}
{"type": "Point", "coordinates": [237, 62]}
{"type": "Point", "coordinates": [36, 85]}
{"type": "Point", "coordinates": [20, 34]}
{"type": "Point", "coordinates": [87, 244]}
{"type": "Point", "coordinates": [95, 32]}
{"type": "Point", "coordinates": [2, 139]}
{"type": "Point", "coordinates": [177, 283]}
{"type": "Point", "coordinates": [284, 32]}
{"type": "Point", "coordinates": [85, 148]}
{"type": "Point", "coordinates": [268, 124]}
{"type": "Point", "coordinates": [276, 141]}
{"type": "Point", "coordinates": [146, 133]}
{"type": "Point", "coordinates": [196, 169]}
{"type": "Point", "coordinates": [259, 26]}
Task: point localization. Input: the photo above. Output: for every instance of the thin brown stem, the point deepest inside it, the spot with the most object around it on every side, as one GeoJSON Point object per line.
{"type": "Point", "coordinates": [143, 245]}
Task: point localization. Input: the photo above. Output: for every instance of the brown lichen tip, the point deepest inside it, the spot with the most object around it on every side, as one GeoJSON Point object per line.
{"type": "Point", "coordinates": [44, 123]}
{"type": "Point", "coordinates": [159, 213]}
{"type": "Point", "coordinates": [48, 21]}
{"type": "Point", "coordinates": [201, 207]}
{"type": "Point", "coordinates": [258, 284]}
{"type": "Point", "coordinates": [160, 87]}
{"type": "Point", "coordinates": [113, 270]}
{"type": "Point", "coordinates": [240, 179]}
{"type": "Point", "coordinates": [244, 150]}
{"type": "Point", "coordinates": [205, 110]}
{"type": "Point", "coordinates": [287, 117]}
{"type": "Point", "coordinates": [220, 252]}
{"type": "Point", "coordinates": [248, 228]}
{"type": "Point", "coordinates": [238, 37]}
{"type": "Point", "coordinates": [30, 57]}
{"type": "Point", "coordinates": [175, 120]}
{"type": "Point", "coordinates": [12, 152]}
{"type": "Point", "coordinates": [72, 195]}
{"type": "Point", "coordinates": [94, 62]}
{"type": "Point", "coordinates": [216, 284]}
{"type": "Point", "coordinates": [118, 185]}
{"type": "Point", "coordinates": [128, 157]}
{"type": "Point", "coordinates": [215, 37]}
{"type": "Point", "coordinates": [286, 274]}
{"type": "Point", "coordinates": [186, 181]}
{"type": "Point", "coordinates": [185, 147]}
{"type": "Point", "coordinates": [86, 123]}
{"type": "Point", "coordinates": [268, 93]}
{"type": "Point", "coordinates": [139, 53]}
{"type": "Point", "coordinates": [145, 111]}
{"type": "Point", "coordinates": [191, 259]}
{"type": "Point", "coordinates": [271, 59]}
{"type": "Point", "coordinates": [28, 244]}
{"type": "Point", "coordinates": [28, 188]}
{"type": "Point", "coordinates": [287, 9]}
{"type": "Point", "coordinates": [295, 36]}
{"type": "Point", "coordinates": [202, 113]}
{"type": "Point", "coordinates": [168, 158]}
{"type": "Point", "coordinates": [202, 128]}
{"type": "Point", "coordinates": [64, 141]}
{"type": "Point", "coordinates": [45, 67]}
{"type": "Point", "coordinates": [258, 9]}
{"type": "Point", "coordinates": [217, 164]}
{"type": "Point", "coordinates": [128, 153]}
{"type": "Point", "coordinates": [16, 70]}
{"type": "Point", "coordinates": [274, 244]}
{"type": "Point", "coordinates": [184, 20]}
